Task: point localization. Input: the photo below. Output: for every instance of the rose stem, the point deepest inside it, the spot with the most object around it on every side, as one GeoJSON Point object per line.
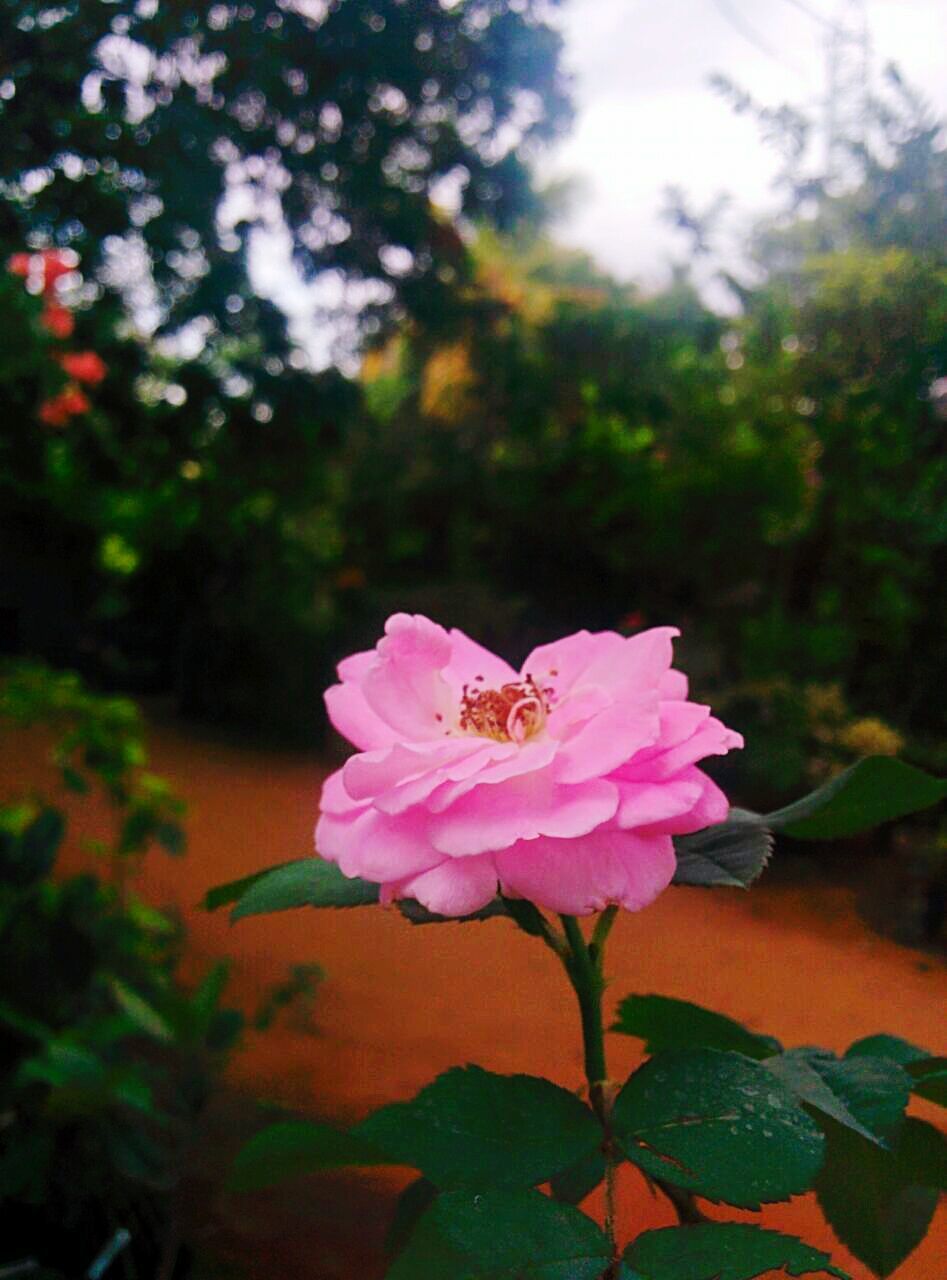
{"type": "Point", "coordinates": [584, 967]}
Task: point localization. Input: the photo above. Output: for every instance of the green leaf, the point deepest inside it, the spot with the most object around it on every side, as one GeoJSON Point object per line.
{"type": "Point", "coordinates": [139, 1012]}
{"type": "Point", "coordinates": [573, 1184]}
{"type": "Point", "coordinates": [732, 853]}
{"type": "Point", "coordinates": [223, 894]}
{"type": "Point", "coordinates": [885, 1046]}
{"type": "Point", "coordinates": [921, 1153]}
{"type": "Point", "coordinates": [29, 854]}
{"type": "Point", "coordinates": [172, 838]}
{"type": "Point", "coordinates": [416, 914]}
{"type": "Point", "coordinates": [666, 1023]}
{"type": "Point", "coordinates": [205, 1001]}
{"type": "Point", "coordinates": [930, 1079]}
{"type": "Point", "coordinates": [929, 1074]}
{"type": "Point", "coordinates": [311, 882]}
{"type": "Point", "coordinates": [416, 1197]}
{"type": "Point", "coordinates": [527, 916]}
{"type": "Point", "coordinates": [24, 1024]}
{"type": "Point", "coordinates": [73, 780]}
{"type": "Point", "coordinates": [875, 790]}
{"type": "Point", "coordinates": [520, 1235]}
{"type": "Point", "coordinates": [471, 1128]}
{"type": "Point", "coordinates": [523, 913]}
{"type": "Point", "coordinates": [865, 1094]}
{"type": "Point", "coordinates": [723, 1251]}
{"type": "Point", "coordinates": [294, 1147]}
{"type": "Point", "coordinates": [718, 1124]}
{"type": "Point", "coordinates": [871, 1200]}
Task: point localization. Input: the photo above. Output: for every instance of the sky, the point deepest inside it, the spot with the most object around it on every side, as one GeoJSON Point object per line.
{"type": "Point", "coordinates": [647, 118]}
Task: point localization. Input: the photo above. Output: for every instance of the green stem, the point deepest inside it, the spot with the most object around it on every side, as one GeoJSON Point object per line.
{"type": "Point", "coordinates": [586, 977]}
{"type": "Point", "coordinates": [602, 929]}
{"type": "Point", "coordinates": [583, 964]}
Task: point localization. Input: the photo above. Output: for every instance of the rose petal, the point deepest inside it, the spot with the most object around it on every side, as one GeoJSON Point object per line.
{"type": "Point", "coordinates": [565, 662]}
{"type": "Point", "coordinates": [711, 739]}
{"type": "Point", "coordinates": [643, 804]}
{"type": "Point", "coordinates": [335, 798]}
{"type": "Point", "coordinates": [351, 715]}
{"type": "Point", "coordinates": [510, 761]}
{"type": "Point", "coordinates": [607, 741]}
{"type": "Point", "coordinates": [638, 665]}
{"type": "Point", "coordinates": [577, 877]}
{"type": "Point", "coordinates": [404, 686]}
{"type": "Point", "coordinates": [373, 772]}
{"type": "Point", "coordinates": [710, 807]}
{"type": "Point", "coordinates": [457, 887]}
{"type": "Point", "coordinates": [533, 805]}
{"type": "Point", "coordinates": [470, 663]}
{"type": "Point", "coordinates": [673, 686]}
{"type": "Point", "coordinates": [374, 846]}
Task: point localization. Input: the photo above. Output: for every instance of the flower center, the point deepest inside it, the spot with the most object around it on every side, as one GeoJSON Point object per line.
{"type": "Point", "coordinates": [512, 713]}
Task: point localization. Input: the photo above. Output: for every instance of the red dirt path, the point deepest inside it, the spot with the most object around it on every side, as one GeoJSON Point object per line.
{"type": "Point", "coordinates": [401, 1003]}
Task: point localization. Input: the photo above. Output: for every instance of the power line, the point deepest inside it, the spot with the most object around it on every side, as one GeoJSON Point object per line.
{"type": "Point", "coordinates": [737, 21]}
{"type": "Point", "coordinates": [811, 13]}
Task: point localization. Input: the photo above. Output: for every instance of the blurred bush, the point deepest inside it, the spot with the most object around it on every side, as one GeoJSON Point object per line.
{"type": "Point", "coordinates": [106, 1061]}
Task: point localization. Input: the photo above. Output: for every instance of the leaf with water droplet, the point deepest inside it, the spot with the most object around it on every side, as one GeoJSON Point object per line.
{"type": "Point", "coordinates": [701, 1131]}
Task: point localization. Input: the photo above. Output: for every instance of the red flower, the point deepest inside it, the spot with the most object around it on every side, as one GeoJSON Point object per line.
{"type": "Point", "coordinates": [53, 413]}
{"type": "Point", "coordinates": [20, 264]}
{"type": "Point", "coordinates": [74, 400]}
{"type": "Point", "coordinates": [57, 320]}
{"type": "Point", "coordinates": [57, 411]}
{"type": "Point", "coordinates": [55, 264]}
{"type": "Point", "coordinates": [84, 366]}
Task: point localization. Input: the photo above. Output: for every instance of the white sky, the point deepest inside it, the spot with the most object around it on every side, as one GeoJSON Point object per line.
{"type": "Point", "coordinates": [646, 117]}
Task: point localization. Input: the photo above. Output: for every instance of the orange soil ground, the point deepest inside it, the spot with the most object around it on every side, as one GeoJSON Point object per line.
{"type": "Point", "coordinates": [401, 1003]}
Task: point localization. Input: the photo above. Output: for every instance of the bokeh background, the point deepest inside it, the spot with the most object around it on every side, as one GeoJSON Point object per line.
{"type": "Point", "coordinates": [529, 316]}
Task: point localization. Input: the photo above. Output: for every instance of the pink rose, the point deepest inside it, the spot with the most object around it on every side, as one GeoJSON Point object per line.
{"type": "Point", "coordinates": [562, 783]}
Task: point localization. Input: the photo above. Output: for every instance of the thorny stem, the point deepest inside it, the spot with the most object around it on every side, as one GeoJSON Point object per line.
{"type": "Point", "coordinates": [583, 964]}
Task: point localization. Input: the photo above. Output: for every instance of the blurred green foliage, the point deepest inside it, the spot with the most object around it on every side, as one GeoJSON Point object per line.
{"type": "Point", "coordinates": [529, 446]}
{"type": "Point", "coordinates": [106, 1061]}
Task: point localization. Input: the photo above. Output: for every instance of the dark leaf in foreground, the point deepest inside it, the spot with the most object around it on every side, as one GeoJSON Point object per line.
{"type": "Point", "coordinates": [719, 1124]}
{"type": "Point", "coordinates": [471, 1128]}
{"type": "Point", "coordinates": [872, 1198]}
{"type": "Point", "coordinates": [491, 1236]}
{"type": "Point", "coordinates": [723, 1251]}
{"type": "Point", "coordinates": [666, 1023]}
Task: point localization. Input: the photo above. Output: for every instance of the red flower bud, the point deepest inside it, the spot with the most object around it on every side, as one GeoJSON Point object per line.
{"type": "Point", "coordinates": [84, 366]}
{"type": "Point", "coordinates": [20, 264]}
{"type": "Point", "coordinates": [73, 400]}
{"type": "Point", "coordinates": [57, 411]}
{"type": "Point", "coordinates": [55, 264]}
{"type": "Point", "coordinates": [57, 320]}
{"type": "Point", "coordinates": [53, 413]}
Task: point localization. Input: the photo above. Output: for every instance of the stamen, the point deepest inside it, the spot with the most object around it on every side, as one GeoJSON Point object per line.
{"type": "Point", "coordinates": [512, 713]}
{"type": "Point", "coordinates": [523, 716]}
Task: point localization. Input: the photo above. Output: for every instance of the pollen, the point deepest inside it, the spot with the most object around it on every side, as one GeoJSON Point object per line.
{"type": "Point", "coordinates": [512, 713]}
